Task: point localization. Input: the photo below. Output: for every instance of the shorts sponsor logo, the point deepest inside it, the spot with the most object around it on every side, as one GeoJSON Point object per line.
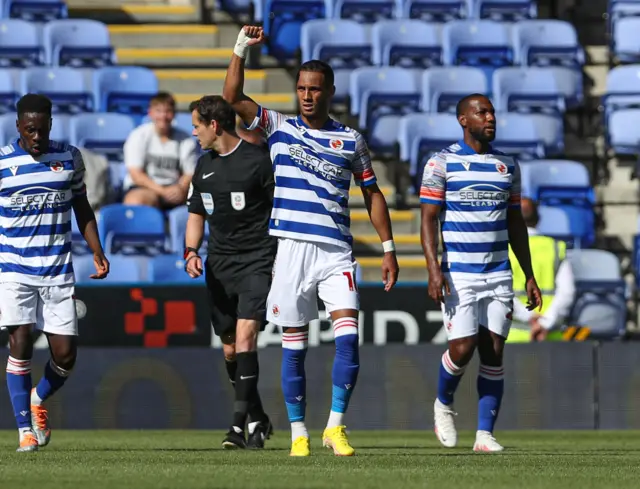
{"type": "Point", "coordinates": [238, 202]}
{"type": "Point", "coordinates": [207, 202]}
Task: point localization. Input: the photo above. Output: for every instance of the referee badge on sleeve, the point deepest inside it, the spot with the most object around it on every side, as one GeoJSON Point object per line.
{"type": "Point", "coordinates": [238, 200]}
{"type": "Point", "coordinates": [207, 202]}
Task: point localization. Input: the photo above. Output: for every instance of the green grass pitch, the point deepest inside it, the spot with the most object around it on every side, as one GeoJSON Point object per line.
{"type": "Point", "coordinates": [384, 460]}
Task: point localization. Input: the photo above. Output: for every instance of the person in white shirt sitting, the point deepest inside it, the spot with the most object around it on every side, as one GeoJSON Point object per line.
{"type": "Point", "coordinates": [160, 159]}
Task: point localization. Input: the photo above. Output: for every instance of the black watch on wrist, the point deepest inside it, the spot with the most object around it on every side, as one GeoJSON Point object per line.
{"type": "Point", "coordinates": [188, 250]}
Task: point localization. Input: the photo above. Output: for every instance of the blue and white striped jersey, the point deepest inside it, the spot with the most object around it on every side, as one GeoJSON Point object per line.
{"type": "Point", "coordinates": [313, 169]}
{"type": "Point", "coordinates": [35, 213]}
{"type": "Point", "coordinates": [475, 191]}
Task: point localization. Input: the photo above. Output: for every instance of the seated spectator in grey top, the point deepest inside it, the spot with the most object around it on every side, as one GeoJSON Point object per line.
{"type": "Point", "coordinates": [160, 159]}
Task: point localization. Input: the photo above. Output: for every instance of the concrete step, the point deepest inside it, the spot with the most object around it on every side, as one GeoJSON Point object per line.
{"type": "Point", "coordinates": [357, 200]}
{"type": "Point", "coordinates": [412, 268]}
{"type": "Point", "coordinates": [212, 81]}
{"type": "Point", "coordinates": [282, 102]}
{"type": "Point", "coordinates": [403, 222]}
{"type": "Point", "coordinates": [164, 35]}
{"type": "Point", "coordinates": [128, 13]}
{"type": "Point", "coordinates": [183, 56]}
{"type": "Point", "coordinates": [369, 244]}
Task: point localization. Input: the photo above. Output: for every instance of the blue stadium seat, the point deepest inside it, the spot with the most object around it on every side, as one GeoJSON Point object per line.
{"type": "Point", "coordinates": [421, 135]}
{"type": "Point", "coordinates": [122, 270]}
{"type": "Point", "coordinates": [131, 229]}
{"type": "Point", "coordinates": [622, 132]}
{"type": "Point", "coordinates": [506, 10]}
{"type": "Point", "coordinates": [9, 93]}
{"type": "Point", "coordinates": [547, 43]}
{"type": "Point", "coordinates": [601, 292]}
{"type": "Point", "coordinates": [550, 90]}
{"type": "Point", "coordinates": [377, 92]}
{"type": "Point", "coordinates": [182, 120]}
{"type": "Point", "coordinates": [437, 10]}
{"type": "Point", "coordinates": [8, 131]}
{"type": "Point", "coordinates": [60, 127]}
{"type": "Point", "coordinates": [551, 132]}
{"type": "Point", "coordinates": [35, 10]}
{"type": "Point", "coordinates": [124, 89]}
{"type": "Point", "coordinates": [64, 86]}
{"type": "Point", "coordinates": [406, 43]}
{"type": "Point", "coordinates": [104, 133]}
{"type": "Point", "coordinates": [619, 9]}
{"type": "Point", "coordinates": [482, 43]}
{"type": "Point", "coordinates": [344, 44]}
{"type": "Point", "coordinates": [443, 87]}
{"type": "Point", "coordinates": [237, 6]}
{"type": "Point", "coordinates": [517, 135]}
{"type": "Point", "coordinates": [282, 26]}
{"type": "Point", "coordinates": [170, 269]}
{"type": "Point", "coordinates": [365, 11]}
{"type": "Point", "coordinates": [78, 43]}
{"type": "Point", "coordinates": [544, 180]}
{"type": "Point", "coordinates": [571, 224]}
{"type": "Point", "coordinates": [626, 43]}
{"type": "Point", "coordinates": [20, 44]}
{"type": "Point", "coordinates": [177, 227]}
{"type": "Point", "coordinates": [623, 90]}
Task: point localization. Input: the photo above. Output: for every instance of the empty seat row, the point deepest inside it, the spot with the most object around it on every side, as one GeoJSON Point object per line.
{"type": "Point", "coordinates": [168, 269]}
{"type": "Point", "coordinates": [124, 89]}
{"type": "Point", "coordinates": [128, 229]}
{"type": "Point", "coordinates": [414, 43]}
{"type": "Point", "coordinates": [103, 132]}
{"type": "Point", "coordinates": [284, 22]}
{"type": "Point", "coordinates": [68, 42]}
{"type": "Point", "coordinates": [367, 10]}
{"type": "Point", "coordinates": [34, 10]}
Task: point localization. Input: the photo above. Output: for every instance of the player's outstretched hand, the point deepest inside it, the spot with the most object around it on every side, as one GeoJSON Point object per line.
{"type": "Point", "coordinates": [390, 270]}
{"type": "Point", "coordinates": [102, 266]}
{"type": "Point", "coordinates": [438, 285]}
{"type": "Point", "coordinates": [534, 296]}
{"type": "Point", "coordinates": [255, 33]}
{"type": "Point", "coordinates": [194, 266]}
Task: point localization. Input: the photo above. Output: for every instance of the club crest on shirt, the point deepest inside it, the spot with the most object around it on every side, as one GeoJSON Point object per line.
{"type": "Point", "coordinates": [501, 167]}
{"type": "Point", "coordinates": [207, 202]}
{"type": "Point", "coordinates": [336, 144]}
{"type": "Point", "coordinates": [237, 200]}
{"type": "Point", "coordinates": [56, 166]}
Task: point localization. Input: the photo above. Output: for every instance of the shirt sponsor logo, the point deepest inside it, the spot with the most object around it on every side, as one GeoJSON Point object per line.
{"type": "Point", "coordinates": [207, 202]}
{"type": "Point", "coordinates": [328, 170]}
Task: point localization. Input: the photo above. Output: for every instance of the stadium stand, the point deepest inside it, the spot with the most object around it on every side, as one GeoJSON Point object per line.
{"type": "Point", "coordinates": [568, 109]}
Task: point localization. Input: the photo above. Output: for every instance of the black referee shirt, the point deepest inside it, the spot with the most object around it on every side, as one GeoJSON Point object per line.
{"type": "Point", "coordinates": [234, 192]}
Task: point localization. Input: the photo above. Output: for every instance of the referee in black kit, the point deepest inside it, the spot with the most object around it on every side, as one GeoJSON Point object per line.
{"type": "Point", "coordinates": [232, 188]}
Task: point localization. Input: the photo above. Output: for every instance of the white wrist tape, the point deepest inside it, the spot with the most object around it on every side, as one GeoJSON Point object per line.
{"type": "Point", "coordinates": [242, 45]}
{"type": "Point", "coordinates": [388, 246]}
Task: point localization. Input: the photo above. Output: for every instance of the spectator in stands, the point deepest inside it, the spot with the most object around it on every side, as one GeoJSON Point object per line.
{"type": "Point", "coordinates": [555, 278]}
{"type": "Point", "coordinates": [160, 159]}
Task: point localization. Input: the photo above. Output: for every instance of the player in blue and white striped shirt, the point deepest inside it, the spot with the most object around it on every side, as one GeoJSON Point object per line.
{"type": "Point", "coordinates": [314, 158]}
{"type": "Point", "coordinates": [474, 191]}
{"type": "Point", "coordinates": [41, 181]}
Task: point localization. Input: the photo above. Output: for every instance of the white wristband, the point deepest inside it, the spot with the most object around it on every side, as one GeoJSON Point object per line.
{"type": "Point", "coordinates": [242, 46]}
{"type": "Point", "coordinates": [388, 246]}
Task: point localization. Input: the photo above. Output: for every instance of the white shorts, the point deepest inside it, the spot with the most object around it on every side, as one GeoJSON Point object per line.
{"type": "Point", "coordinates": [482, 303]}
{"type": "Point", "coordinates": [52, 309]}
{"type": "Point", "coordinates": [303, 271]}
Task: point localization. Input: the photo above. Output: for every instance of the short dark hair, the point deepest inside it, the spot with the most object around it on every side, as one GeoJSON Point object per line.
{"type": "Point", "coordinates": [34, 103]}
{"type": "Point", "coordinates": [163, 98]}
{"type": "Point", "coordinates": [215, 108]}
{"type": "Point", "coordinates": [317, 66]}
{"type": "Point", "coordinates": [463, 103]}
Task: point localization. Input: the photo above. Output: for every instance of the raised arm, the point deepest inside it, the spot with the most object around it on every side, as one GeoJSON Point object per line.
{"type": "Point", "coordinates": [519, 240]}
{"type": "Point", "coordinates": [432, 197]}
{"type": "Point", "coordinates": [233, 91]}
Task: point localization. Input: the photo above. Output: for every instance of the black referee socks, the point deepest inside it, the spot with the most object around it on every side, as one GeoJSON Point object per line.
{"type": "Point", "coordinates": [246, 386]}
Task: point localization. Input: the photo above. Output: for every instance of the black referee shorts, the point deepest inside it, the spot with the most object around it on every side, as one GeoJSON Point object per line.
{"type": "Point", "coordinates": [238, 286]}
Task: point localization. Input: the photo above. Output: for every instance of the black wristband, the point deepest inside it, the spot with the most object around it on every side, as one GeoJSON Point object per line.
{"type": "Point", "coordinates": [188, 250]}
